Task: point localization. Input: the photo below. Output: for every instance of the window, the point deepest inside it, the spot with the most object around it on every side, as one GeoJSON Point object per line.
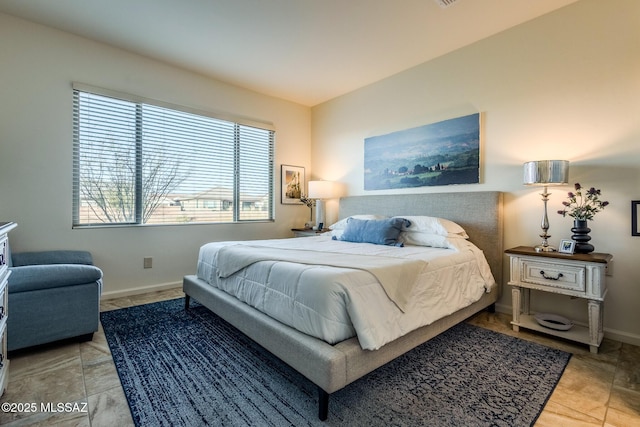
{"type": "Point", "coordinates": [138, 161]}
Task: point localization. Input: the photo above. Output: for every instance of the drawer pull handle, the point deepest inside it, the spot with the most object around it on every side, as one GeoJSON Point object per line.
{"type": "Point", "coordinates": [550, 277]}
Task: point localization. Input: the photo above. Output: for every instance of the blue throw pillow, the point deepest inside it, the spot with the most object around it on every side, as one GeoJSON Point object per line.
{"type": "Point", "coordinates": [376, 231]}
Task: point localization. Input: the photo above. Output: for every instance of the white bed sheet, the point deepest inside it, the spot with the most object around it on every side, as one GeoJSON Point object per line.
{"type": "Point", "coordinates": [335, 303]}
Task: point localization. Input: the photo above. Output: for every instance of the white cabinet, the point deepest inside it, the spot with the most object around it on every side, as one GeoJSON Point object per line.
{"type": "Point", "coordinates": [577, 275]}
{"type": "Point", "coordinates": [5, 227]}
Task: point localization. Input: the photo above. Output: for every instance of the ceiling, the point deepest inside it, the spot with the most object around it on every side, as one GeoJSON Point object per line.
{"type": "Point", "coordinates": [305, 51]}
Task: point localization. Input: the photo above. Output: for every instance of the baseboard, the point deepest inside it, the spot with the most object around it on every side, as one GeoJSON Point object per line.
{"type": "Point", "coordinates": [502, 308]}
{"type": "Point", "coordinates": [622, 336]}
{"type": "Point", "coordinates": [612, 334]}
{"type": "Point", "coordinates": [140, 290]}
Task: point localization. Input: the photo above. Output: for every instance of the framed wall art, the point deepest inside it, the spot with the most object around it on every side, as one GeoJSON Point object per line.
{"type": "Point", "coordinates": [635, 217]}
{"type": "Point", "coordinates": [442, 153]}
{"type": "Point", "coordinates": [292, 180]}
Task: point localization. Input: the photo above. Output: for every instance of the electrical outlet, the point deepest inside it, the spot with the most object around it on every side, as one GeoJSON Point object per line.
{"type": "Point", "coordinates": [148, 262]}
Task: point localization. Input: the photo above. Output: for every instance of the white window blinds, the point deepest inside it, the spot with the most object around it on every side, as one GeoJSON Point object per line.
{"type": "Point", "coordinates": [136, 162]}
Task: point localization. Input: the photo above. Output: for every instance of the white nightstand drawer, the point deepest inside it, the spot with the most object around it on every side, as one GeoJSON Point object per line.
{"type": "Point", "coordinates": [553, 275]}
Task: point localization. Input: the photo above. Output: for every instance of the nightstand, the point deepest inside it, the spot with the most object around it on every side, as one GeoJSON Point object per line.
{"type": "Point", "coordinates": [577, 275]}
{"type": "Point", "coordinates": [308, 232]}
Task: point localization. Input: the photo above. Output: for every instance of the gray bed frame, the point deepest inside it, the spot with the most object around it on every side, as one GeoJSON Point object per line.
{"type": "Point", "coordinates": [332, 367]}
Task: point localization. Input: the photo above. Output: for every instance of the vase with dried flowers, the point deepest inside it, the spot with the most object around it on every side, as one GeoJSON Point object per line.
{"type": "Point", "coordinates": [582, 206]}
{"type": "Point", "coordinates": [310, 203]}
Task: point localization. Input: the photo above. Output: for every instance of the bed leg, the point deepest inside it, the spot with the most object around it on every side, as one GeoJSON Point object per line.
{"type": "Point", "coordinates": [187, 299]}
{"type": "Point", "coordinates": [492, 308]}
{"type": "Point", "coordinates": [323, 404]}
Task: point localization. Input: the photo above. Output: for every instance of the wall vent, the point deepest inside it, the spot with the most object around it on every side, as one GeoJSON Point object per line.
{"type": "Point", "coordinates": [446, 3]}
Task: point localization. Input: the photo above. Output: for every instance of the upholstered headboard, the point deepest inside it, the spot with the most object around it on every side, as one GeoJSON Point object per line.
{"type": "Point", "coordinates": [479, 213]}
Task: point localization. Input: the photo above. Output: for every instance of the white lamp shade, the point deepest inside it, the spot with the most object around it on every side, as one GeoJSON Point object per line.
{"type": "Point", "coordinates": [321, 189]}
{"type": "Point", "coordinates": [544, 172]}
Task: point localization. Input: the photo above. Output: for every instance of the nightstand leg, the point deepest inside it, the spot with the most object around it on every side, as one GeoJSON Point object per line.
{"type": "Point", "coordinates": [516, 307]}
{"type": "Point", "coordinates": [595, 325]}
{"type": "Point", "coordinates": [526, 301]}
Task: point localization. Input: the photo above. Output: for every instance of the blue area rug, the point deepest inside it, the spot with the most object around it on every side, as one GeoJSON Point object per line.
{"type": "Point", "coordinates": [191, 368]}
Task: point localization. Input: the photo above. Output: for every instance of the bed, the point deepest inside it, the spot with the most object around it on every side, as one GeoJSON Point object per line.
{"type": "Point", "coordinates": [335, 361]}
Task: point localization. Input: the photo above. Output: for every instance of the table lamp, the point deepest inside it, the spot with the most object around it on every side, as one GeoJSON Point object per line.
{"type": "Point", "coordinates": [321, 190]}
{"type": "Point", "coordinates": [543, 173]}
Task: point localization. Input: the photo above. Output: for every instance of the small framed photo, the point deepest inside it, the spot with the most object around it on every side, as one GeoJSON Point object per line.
{"type": "Point", "coordinates": [567, 246]}
{"type": "Point", "coordinates": [635, 218]}
{"type": "Point", "coordinates": [293, 182]}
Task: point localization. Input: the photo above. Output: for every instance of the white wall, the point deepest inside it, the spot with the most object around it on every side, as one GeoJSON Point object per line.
{"type": "Point", "coordinates": [565, 86]}
{"type": "Point", "coordinates": [37, 66]}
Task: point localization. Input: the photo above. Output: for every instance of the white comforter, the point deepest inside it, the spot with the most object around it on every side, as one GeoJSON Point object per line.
{"type": "Point", "coordinates": [336, 303]}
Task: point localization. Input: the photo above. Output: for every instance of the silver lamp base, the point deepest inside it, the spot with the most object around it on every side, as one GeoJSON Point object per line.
{"type": "Point", "coordinates": [545, 248]}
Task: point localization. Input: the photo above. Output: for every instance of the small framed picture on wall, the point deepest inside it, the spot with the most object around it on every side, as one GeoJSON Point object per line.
{"type": "Point", "coordinates": [635, 217]}
{"type": "Point", "coordinates": [292, 180]}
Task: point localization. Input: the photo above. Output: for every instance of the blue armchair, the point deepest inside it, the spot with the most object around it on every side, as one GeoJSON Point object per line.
{"type": "Point", "coordinates": [53, 295]}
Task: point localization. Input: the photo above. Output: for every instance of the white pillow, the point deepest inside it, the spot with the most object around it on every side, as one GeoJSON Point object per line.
{"type": "Point", "coordinates": [342, 224]}
{"type": "Point", "coordinates": [434, 225]}
{"type": "Point", "coordinates": [427, 239]}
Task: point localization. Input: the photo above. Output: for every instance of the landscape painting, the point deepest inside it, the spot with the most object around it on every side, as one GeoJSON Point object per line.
{"type": "Point", "coordinates": [443, 153]}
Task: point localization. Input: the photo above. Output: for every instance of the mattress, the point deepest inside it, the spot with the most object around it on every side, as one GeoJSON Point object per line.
{"type": "Point", "coordinates": [335, 303]}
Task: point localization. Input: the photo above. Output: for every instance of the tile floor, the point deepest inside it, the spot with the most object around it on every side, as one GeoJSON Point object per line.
{"type": "Point", "coordinates": [595, 390]}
